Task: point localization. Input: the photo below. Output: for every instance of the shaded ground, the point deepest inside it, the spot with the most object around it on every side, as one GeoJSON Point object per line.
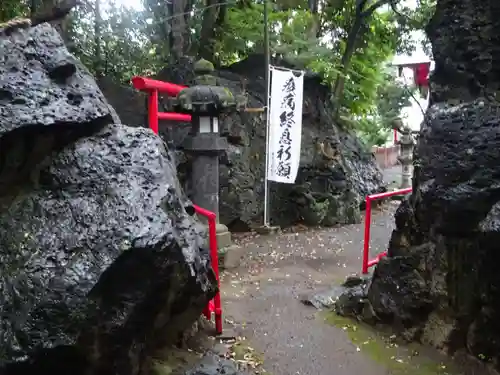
{"type": "Point", "coordinates": [262, 302]}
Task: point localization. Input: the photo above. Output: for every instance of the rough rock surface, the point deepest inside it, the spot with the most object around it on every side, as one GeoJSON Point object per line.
{"type": "Point", "coordinates": [440, 283]}
{"type": "Point", "coordinates": [348, 299]}
{"type": "Point", "coordinates": [32, 65]}
{"type": "Point", "coordinates": [330, 185]}
{"type": "Point", "coordinates": [99, 261]}
{"type": "Point", "coordinates": [440, 278]}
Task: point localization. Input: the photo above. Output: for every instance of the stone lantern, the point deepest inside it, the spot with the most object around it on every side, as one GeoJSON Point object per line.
{"type": "Point", "coordinates": [205, 101]}
{"type": "Point", "coordinates": [406, 144]}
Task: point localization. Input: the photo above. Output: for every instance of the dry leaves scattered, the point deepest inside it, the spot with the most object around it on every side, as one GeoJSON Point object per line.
{"type": "Point", "coordinates": [246, 357]}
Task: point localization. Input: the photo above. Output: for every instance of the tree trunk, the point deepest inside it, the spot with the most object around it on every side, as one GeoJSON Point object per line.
{"type": "Point", "coordinates": [160, 36]}
{"type": "Point", "coordinates": [97, 39]}
{"type": "Point", "coordinates": [178, 30]}
{"type": "Point", "coordinates": [214, 17]}
{"type": "Point", "coordinates": [187, 35]}
{"type": "Point", "coordinates": [313, 8]}
{"type": "Point", "coordinates": [33, 7]}
{"type": "Point", "coordinates": [345, 62]}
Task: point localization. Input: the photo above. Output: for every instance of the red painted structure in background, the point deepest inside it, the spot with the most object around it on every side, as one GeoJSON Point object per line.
{"type": "Point", "coordinates": [153, 88]}
{"type": "Point", "coordinates": [421, 72]}
{"type": "Point", "coordinates": [367, 263]}
{"type": "Point", "coordinates": [386, 157]}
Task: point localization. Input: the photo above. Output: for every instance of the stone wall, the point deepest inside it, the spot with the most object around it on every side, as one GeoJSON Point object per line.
{"type": "Point", "coordinates": [336, 170]}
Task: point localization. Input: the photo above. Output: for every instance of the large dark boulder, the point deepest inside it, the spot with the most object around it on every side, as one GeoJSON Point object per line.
{"type": "Point", "coordinates": [441, 282]}
{"type": "Point", "coordinates": [42, 84]}
{"type": "Point", "coordinates": [100, 263]}
{"type": "Point", "coordinates": [336, 170]}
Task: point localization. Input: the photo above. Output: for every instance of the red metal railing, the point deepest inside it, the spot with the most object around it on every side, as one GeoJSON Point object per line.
{"type": "Point", "coordinates": [367, 263]}
{"type": "Point", "coordinates": [214, 306]}
{"type": "Point", "coordinates": [153, 87]}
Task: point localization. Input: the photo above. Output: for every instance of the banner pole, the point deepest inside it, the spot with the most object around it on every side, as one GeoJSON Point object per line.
{"type": "Point", "coordinates": [266, 181]}
{"type": "Point", "coordinates": [267, 100]}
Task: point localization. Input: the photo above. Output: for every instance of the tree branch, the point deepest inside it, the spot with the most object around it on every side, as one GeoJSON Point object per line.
{"type": "Point", "coordinates": [402, 17]}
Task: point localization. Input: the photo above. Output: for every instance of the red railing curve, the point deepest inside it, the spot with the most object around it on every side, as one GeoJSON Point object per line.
{"type": "Point", "coordinates": [153, 87]}
{"type": "Point", "coordinates": [367, 262]}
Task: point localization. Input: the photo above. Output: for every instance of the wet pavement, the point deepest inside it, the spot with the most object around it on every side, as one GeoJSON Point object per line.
{"type": "Point", "coordinates": [262, 297]}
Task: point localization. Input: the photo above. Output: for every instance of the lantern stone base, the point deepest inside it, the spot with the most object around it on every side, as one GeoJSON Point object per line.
{"type": "Point", "coordinates": [223, 236]}
{"type": "Point", "coordinates": [267, 229]}
{"type": "Point", "coordinates": [230, 255]}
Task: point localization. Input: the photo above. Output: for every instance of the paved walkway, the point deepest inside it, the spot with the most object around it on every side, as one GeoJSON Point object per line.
{"type": "Point", "coordinates": [262, 299]}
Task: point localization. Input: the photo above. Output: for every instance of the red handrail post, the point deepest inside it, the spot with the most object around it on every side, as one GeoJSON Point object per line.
{"type": "Point", "coordinates": [366, 262]}
{"type": "Point", "coordinates": [153, 110]}
{"type": "Point", "coordinates": [215, 265]}
{"type": "Point", "coordinates": [366, 247]}
{"type": "Point", "coordinates": [214, 306]}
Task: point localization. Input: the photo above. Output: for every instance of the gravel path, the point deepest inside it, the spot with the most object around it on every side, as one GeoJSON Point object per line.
{"type": "Point", "coordinates": [261, 298]}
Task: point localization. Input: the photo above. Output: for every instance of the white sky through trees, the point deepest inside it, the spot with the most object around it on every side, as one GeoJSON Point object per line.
{"type": "Point", "coordinates": [135, 4]}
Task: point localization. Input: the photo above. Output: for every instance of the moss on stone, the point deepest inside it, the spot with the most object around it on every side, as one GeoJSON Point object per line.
{"type": "Point", "coordinates": [203, 66]}
{"type": "Point", "coordinates": [397, 359]}
{"type": "Point", "coordinates": [315, 212]}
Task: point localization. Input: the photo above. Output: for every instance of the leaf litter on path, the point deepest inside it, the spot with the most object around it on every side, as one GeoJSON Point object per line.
{"type": "Point", "coordinates": [245, 356]}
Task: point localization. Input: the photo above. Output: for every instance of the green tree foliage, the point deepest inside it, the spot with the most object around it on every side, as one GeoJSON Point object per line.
{"type": "Point", "coordinates": [348, 42]}
{"type": "Point", "coordinates": [391, 98]}
{"type": "Point", "coordinates": [13, 8]}
{"type": "Point", "coordinates": [125, 50]}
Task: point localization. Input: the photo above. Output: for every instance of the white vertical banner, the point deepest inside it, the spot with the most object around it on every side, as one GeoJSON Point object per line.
{"type": "Point", "coordinates": [285, 125]}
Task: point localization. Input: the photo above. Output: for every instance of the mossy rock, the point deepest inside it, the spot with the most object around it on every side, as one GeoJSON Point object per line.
{"type": "Point", "coordinates": [314, 213]}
